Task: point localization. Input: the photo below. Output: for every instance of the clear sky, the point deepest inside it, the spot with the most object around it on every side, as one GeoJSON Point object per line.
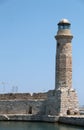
{"type": "Point", "coordinates": [28, 46]}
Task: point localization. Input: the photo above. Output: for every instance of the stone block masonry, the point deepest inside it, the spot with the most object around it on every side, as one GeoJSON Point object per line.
{"type": "Point", "coordinates": [68, 102]}
{"type": "Point", "coordinates": [63, 59]}
{"type": "Point", "coordinates": [22, 107]}
{"type": "Point", "coordinates": [23, 96]}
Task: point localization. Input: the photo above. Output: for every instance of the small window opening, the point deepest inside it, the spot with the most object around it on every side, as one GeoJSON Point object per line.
{"type": "Point", "coordinates": [68, 112]}
{"type": "Point", "coordinates": [58, 44]}
{"type": "Point", "coordinates": [30, 110]}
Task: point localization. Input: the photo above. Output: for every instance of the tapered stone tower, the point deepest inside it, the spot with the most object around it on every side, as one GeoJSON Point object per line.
{"type": "Point", "coordinates": [66, 97]}
{"type": "Point", "coordinates": [64, 55]}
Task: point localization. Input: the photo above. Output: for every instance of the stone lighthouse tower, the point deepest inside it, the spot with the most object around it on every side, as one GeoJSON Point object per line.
{"type": "Point", "coordinates": [63, 56]}
{"type": "Point", "coordinates": [66, 96]}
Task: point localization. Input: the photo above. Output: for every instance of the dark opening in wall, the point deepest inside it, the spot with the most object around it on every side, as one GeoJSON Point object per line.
{"type": "Point", "coordinates": [58, 45]}
{"type": "Point", "coordinates": [30, 110]}
{"type": "Point", "coordinates": [68, 112]}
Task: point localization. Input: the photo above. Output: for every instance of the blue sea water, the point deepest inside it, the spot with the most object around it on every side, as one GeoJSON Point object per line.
{"type": "Point", "coordinates": [36, 126]}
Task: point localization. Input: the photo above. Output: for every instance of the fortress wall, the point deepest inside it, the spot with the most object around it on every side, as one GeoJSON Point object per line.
{"type": "Point", "coordinates": [22, 107]}
{"type": "Point", "coordinates": [38, 103]}
{"type": "Point", "coordinates": [53, 103]}
{"type": "Point", "coordinates": [52, 107]}
{"type": "Point", "coordinates": [12, 96]}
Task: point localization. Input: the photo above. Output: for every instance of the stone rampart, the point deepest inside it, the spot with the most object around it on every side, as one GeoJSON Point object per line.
{"type": "Point", "coordinates": [23, 96]}
{"type": "Point", "coordinates": [22, 107]}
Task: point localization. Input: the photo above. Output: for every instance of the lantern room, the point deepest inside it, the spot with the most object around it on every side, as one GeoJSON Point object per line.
{"type": "Point", "coordinates": [64, 24]}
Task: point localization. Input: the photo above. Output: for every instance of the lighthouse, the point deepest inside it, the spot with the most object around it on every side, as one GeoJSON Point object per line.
{"type": "Point", "coordinates": [63, 72]}
{"type": "Point", "coordinates": [65, 96]}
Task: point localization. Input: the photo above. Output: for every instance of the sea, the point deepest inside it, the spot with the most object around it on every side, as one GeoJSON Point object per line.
{"type": "Point", "coordinates": [5, 125]}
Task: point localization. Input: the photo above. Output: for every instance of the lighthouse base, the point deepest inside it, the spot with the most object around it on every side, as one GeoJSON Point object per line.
{"type": "Point", "coordinates": [67, 101]}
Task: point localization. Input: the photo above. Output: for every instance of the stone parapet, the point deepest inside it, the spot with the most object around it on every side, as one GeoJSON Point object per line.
{"type": "Point", "coordinates": [23, 96]}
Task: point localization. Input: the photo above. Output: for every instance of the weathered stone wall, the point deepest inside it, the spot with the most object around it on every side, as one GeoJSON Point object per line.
{"type": "Point", "coordinates": [51, 107]}
{"type": "Point", "coordinates": [67, 102]}
{"type": "Point", "coordinates": [12, 96]}
{"type": "Point", "coordinates": [22, 107]}
{"type": "Point", "coordinates": [53, 103]}
{"type": "Point", "coordinates": [59, 102]}
{"type": "Point", "coordinates": [63, 63]}
{"type": "Point", "coordinates": [39, 103]}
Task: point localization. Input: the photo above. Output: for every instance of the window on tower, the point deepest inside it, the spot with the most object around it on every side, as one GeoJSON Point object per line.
{"type": "Point", "coordinates": [58, 44]}
{"type": "Point", "coordinates": [64, 26]}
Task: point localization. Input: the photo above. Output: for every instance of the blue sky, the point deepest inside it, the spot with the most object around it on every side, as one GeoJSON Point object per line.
{"type": "Point", "coordinates": [28, 46]}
